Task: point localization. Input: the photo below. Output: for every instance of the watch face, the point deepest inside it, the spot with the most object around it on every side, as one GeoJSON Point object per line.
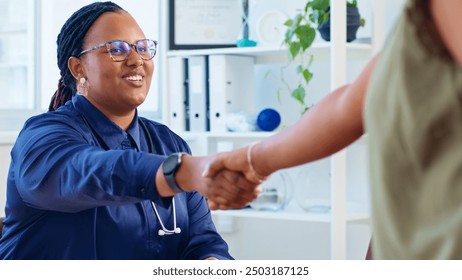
{"type": "Point", "coordinates": [171, 164]}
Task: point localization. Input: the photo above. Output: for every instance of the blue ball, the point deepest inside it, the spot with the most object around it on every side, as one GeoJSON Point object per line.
{"type": "Point", "coordinates": [268, 119]}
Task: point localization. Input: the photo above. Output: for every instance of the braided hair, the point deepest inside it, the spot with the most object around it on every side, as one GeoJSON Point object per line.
{"type": "Point", "coordinates": [70, 42]}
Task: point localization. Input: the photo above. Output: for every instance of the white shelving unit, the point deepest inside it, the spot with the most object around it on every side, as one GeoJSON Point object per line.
{"type": "Point", "coordinates": [288, 214]}
{"type": "Point", "coordinates": [338, 53]}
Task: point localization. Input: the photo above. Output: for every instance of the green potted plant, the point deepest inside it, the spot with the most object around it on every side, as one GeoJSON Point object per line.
{"type": "Point", "coordinates": [353, 21]}
{"type": "Point", "coordinates": [299, 36]}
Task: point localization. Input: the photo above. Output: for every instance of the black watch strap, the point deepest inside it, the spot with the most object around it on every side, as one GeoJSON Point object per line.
{"type": "Point", "coordinates": [169, 167]}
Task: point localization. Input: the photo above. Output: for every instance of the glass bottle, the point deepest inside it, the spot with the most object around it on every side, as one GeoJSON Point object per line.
{"type": "Point", "coordinates": [312, 187]}
{"type": "Point", "coordinates": [276, 193]}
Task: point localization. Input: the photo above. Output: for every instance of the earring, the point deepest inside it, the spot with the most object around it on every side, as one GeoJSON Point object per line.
{"type": "Point", "coordinates": [82, 87]}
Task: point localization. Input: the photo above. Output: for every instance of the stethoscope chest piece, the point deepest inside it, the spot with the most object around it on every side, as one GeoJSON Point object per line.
{"type": "Point", "coordinates": [164, 231]}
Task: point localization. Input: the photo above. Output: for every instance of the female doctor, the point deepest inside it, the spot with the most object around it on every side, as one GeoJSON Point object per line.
{"type": "Point", "coordinates": [91, 179]}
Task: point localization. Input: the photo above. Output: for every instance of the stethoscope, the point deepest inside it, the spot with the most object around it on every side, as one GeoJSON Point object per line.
{"type": "Point", "coordinates": [163, 231]}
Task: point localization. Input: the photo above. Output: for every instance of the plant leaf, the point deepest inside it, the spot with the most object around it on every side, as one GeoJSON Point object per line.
{"type": "Point", "coordinates": [306, 34]}
{"type": "Point", "coordinates": [310, 61]}
{"type": "Point", "coordinates": [314, 16]}
{"type": "Point", "coordinates": [294, 49]}
{"type": "Point", "coordinates": [307, 75]}
{"type": "Point", "coordinates": [278, 93]}
{"type": "Point", "coordinates": [320, 4]}
{"type": "Point", "coordinates": [291, 28]}
{"type": "Point", "coordinates": [325, 17]}
{"type": "Point", "coordinates": [289, 22]}
{"type": "Point", "coordinates": [299, 94]}
{"type": "Point", "coordinates": [353, 3]}
{"type": "Point", "coordinates": [267, 74]}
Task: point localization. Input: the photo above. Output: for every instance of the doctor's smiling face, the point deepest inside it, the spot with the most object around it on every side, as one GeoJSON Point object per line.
{"type": "Point", "coordinates": [118, 74]}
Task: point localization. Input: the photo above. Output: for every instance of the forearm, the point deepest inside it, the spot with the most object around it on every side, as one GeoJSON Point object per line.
{"type": "Point", "coordinates": [58, 169]}
{"type": "Point", "coordinates": [321, 132]}
{"type": "Point", "coordinates": [331, 125]}
{"type": "Point", "coordinates": [188, 177]}
{"type": "Point", "coordinates": [80, 179]}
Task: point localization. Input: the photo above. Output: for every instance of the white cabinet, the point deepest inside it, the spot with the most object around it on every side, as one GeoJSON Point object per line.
{"type": "Point", "coordinates": [335, 64]}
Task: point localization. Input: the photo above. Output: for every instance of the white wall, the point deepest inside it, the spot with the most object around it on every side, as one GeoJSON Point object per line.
{"type": "Point", "coordinates": [6, 143]}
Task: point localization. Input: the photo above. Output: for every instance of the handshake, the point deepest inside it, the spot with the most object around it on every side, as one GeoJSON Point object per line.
{"type": "Point", "coordinates": [228, 180]}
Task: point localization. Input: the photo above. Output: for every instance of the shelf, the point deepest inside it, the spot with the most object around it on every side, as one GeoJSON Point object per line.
{"type": "Point", "coordinates": [245, 135]}
{"type": "Point", "coordinates": [254, 51]}
{"type": "Point", "coordinates": [265, 54]}
{"type": "Point", "coordinates": [259, 51]}
{"type": "Point", "coordinates": [193, 135]}
{"type": "Point", "coordinates": [288, 215]}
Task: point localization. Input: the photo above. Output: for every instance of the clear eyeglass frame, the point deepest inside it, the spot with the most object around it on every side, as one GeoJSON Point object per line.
{"type": "Point", "coordinates": [120, 50]}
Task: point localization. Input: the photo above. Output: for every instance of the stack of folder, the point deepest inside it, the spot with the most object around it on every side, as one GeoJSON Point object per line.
{"type": "Point", "coordinates": [204, 89]}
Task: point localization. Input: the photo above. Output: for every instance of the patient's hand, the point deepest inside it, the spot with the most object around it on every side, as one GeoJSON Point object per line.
{"type": "Point", "coordinates": [236, 160]}
{"type": "Point", "coordinates": [230, 190]}
{"type": "Point", "coordinates": [234, 184]}
{"type": "Point", "coordinates": [224, 185]}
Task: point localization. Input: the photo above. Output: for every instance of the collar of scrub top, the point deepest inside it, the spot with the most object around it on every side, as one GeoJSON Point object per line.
{"type": "Point", "coordinates": [112, 134]}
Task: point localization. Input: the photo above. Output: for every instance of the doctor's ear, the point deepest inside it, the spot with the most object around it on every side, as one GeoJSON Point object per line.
{"type": "Point", "coordinates": [75, 65]}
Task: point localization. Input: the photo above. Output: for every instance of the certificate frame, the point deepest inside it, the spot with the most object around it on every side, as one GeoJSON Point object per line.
{"type": "Point", "coordinates": [203, 24]}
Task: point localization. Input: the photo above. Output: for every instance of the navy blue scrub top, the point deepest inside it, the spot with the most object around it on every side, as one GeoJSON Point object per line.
{"type": "Point", "coordinates": [80, 190]}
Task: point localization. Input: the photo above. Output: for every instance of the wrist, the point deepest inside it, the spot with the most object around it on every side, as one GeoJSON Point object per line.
{"type": "Point", "coordinates": [170, 168]}
{"type": "Point", "coordinates": [260, 177]}
{"type": "Point", "coordinates": [260, 162]}
{"type": "Point", "coordinates": [189, 176]}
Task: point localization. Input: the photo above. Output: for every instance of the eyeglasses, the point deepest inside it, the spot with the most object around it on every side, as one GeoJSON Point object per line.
{"type": "Point", "coordinates": [119, 50]}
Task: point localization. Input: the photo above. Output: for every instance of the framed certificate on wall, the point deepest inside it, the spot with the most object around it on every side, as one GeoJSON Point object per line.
{"type": "Point", "coordinates": [197, 24]}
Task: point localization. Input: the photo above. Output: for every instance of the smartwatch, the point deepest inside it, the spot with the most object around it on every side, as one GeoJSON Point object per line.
{"type": "Point", "coordinates": [169, 167]}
